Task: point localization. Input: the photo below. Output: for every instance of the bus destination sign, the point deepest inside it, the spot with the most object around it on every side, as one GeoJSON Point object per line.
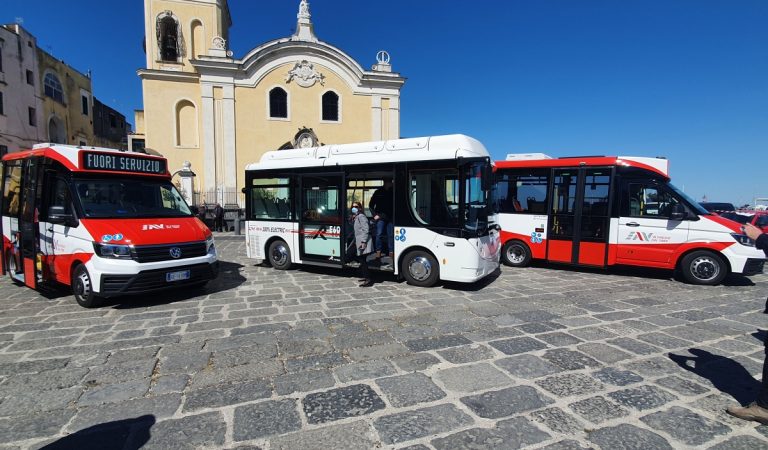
{"type": "Point", "coordinates": [123, 163]}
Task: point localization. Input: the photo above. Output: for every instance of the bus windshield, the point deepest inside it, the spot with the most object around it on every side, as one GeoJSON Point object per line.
{"type": "Point", "coordinates": [477, 199]}
{"type": "Point", "coordinates": [129, 198]}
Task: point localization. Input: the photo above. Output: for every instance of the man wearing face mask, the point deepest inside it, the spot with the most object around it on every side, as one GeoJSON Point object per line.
{"type": "Point", "coordinates": [363, 243]}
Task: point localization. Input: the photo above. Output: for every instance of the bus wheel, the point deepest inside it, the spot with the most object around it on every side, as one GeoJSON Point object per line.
{"type": "Point", "coordinates": [516, 254]}
{"type": "Point", "coordinates": [280, 255]}
{"type": "Point", "coordinates": [82, 288]}
{"type": "Point", "coordinates": [703, 267]}
{"type": "Point", "coordinates": [420, 269]}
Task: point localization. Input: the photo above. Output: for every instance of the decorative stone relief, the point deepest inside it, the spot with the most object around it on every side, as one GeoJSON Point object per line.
{"type": "Point", "coordinates": [305, 75]}
{"type": "Point", "coordinates": [219, 43]}
{"type": "Point", "coordinates": [303, 10]}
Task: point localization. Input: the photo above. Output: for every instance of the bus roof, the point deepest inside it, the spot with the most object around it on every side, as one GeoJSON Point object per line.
{"type": "Point", "coordinates": [659, 166]}
{"type": "Point", "coordinates": [413, 149]}
{"type": "Point", "coordinates": [97, 160]}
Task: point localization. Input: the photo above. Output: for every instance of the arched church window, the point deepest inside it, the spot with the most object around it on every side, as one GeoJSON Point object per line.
{"type": "Point", "coordinates": [56, 131]}
{"type": "Point", "coordinates": [331, 106]}
{"type": "Point", "coordinates": [278, 103]}
{"type": "Point", "coordinates": [169, 39]}
{"type": "Point", "coordinates": [53, 88]}
{"type": "Point", "coordinates": [186, 124]}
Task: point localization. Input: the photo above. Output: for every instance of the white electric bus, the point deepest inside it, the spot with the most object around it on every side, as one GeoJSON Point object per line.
{"type": "Point", "coordinates": [298, 202]}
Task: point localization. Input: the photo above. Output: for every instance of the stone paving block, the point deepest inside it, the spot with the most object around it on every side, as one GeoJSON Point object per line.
{"type": "Point", "coordinates": [113, 393]}
{"type": "Point", "coordinates": [472, 378]}
{"type": "Point", "coordinates": [341, 403]}
{"type": "Point", "coordinates": [617, 377]}
{"type": "Point", "coordinates": [655, 366]}
{"type": "Point", "coordinates": [364, 370]}
{"type": "Point", "coordinates": [169, 383]}
{"type": "Point", "coordinates": [685, 425]}
{"type": "Point", "coordinates": [628, 437]}
{"type": "Point", "coordinates": [23, 403]}
{"type": "Point", "coordinates": [409, 389]}
{"type": "Point", "coordinates": [593, 333]}
{"type": "Point", "coordinates": [184, 362]}
{"type": "Point", "coordinates": [124, 371]}
{"type": "Point", "coordinates": [44, 381]}
{"type": "Point", "coordinates": [634, 346]}
{"type": "Point", "coordinates": [416, 362]}
{"type": "Point", "coordinates": [161, 406]}
{"type": "Point", "coordinates": [694, 315]}
{"type": "Point", "coordinates": [265, 419]}
{"type": "Point", "coordinates": [559, 339]}
{"type": "Point", "coordinates": [519, 345]}
{"type": "Point", "coordinates": [382, 351]}
{"type": "Point", "coordinates": [681, 386]}
{"type": "Point", "coordinates": [305, 381]}
{"type": "Point", "coordinates": [415, 424]}
{"type": "Point", "coordinates": [569, 359]}
{"type": "Point", "coordinates": [314, 362]}
{"type": "Point", "coordinates": [226, 394]}
{"type": "Point", "coordinates": [513, 433]}
{"type": "Point", "coordinates": [664, 340]}
{"type": "Point", "coordinates": [527, 366]}
{"type": "Point", "coordinates": [201, 431]}
{"type": "Point", "coordinates": [535, 316]}
{"type": "Point", "coordinates": [643, 397]}
{"type": "Point", "coordinates": [506, 402]}
{"type": "Point", "coordinates": [348, 341]}
{"type": "Point", "coordinates": [742, 443]}
{"type": "Point", "coordinates": [598, 409]}
{"type": "Point", "coordinates": [539, 327]}
{"type": "Point", "coordinates": [603, 352]}
{"type": "Point", "coordinates": [40, 365]}
{"type": "Point", "coordinates": [570, 384]}
{"type": "Point", "coordinates": [352, 436]}
{"type": "Point", "coordinates": [438, 342]}
{"type": "Point", "coordinates": [244, 355]}
{"type": "Point", "coordinates": [564, 445]}
{"type": "Point", "coordinates": [307, 347]}
{"type": "Point", "coordinates": [236, 374]}
{"type": "Point", "coordinates": [557, 420]}
{"type": "Point", "coordinates": [34, 426]}
{"type": "Point", "coordinates": [466, 354]}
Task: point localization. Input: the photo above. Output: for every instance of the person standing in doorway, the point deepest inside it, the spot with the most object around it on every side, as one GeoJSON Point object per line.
{"type": "Point", "coordinates": [362, 230]}
{"type": "Point", "coordinates": [757, 410]}
{"type": "Point", "coordinates": [381, 207]}
{"type": "Point", "coordinates": [218, 217]}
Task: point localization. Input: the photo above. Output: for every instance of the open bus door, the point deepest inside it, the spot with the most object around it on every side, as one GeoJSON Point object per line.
{"type": "Point", "coordinates": [321, 215]}
{"type": "Point", "coordinates": [24, 227]}
{"type": "Point", "coordinates": [580, 216]}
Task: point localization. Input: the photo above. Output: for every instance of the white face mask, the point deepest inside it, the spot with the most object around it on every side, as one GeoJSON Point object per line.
{"type": "Point", "coordinates": [354, 210]}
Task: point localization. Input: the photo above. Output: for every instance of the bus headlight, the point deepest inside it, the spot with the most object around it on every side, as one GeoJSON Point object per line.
{"type": "Point", "coordinates": [209, 245]}
{"type": "Point", "coordinates": [743, 239]}
{"type": "Point", "coordinates": [112, 251]}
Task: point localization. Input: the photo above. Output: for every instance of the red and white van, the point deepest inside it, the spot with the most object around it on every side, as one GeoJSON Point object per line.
{"type": "Point", "coordinates": [105, 222]}
{"type": "Point", "coordinates": [600, 211]}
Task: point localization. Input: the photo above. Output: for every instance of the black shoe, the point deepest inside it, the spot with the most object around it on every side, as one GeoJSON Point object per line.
{"type": "Point", "coordinates": [368, 283]}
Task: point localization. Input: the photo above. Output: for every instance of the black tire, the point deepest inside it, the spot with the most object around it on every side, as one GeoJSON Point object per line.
{"type": "Point", "coordinates": [420, 268]}
{"type": "Point", "coordinates": [516, 254]}
{"type": "Point", "coordinates": [703, 267]}
{"type": "Point", "coordinates": [279, 255]}
{"type": "Point", "coordinates": [82, 288]}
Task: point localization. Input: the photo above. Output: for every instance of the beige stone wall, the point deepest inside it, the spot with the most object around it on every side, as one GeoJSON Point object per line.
{"type": "Point", "coordinates": [257, 133]}
{"type": "Point", "coordinates": [161, 99]}
{"type": "Point", "coordinates": [78, 126]}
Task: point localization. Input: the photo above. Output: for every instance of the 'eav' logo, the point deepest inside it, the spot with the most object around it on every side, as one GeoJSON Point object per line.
{"type": "Point", "coordinates": [146, 227]}
{"type": "Point", "coordinates": [639, 236]}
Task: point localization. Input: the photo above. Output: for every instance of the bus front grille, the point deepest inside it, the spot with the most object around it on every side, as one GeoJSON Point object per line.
{"type": "Point", "coordinates": [154, 253]}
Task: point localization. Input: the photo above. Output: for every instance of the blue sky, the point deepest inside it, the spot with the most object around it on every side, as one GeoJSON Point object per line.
{"type": "Point", "coordinates": [684, 79]}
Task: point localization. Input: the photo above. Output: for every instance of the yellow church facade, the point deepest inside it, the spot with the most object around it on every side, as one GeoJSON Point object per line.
{"type": "Point", "coordinates": [218, 113]}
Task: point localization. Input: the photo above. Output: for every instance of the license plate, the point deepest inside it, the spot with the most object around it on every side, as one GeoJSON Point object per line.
{"type": "Point", "coordinates": [177, 276]}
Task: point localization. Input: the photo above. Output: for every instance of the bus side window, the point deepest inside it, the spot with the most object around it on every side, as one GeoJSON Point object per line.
{"type": "Point", "coordinates": [60, 196]}
{"type": "Point", "coordinates": [522, 191]}
{"type": "Point", "coordinates": [12, 188]}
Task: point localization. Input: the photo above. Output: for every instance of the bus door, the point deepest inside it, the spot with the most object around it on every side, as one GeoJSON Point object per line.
{"type": "Point", "coordinates": [28, 236]}
{"type": "Point", "coordinates": [580, 216]}
{"type": "Point", "coordinates": [322, 211]}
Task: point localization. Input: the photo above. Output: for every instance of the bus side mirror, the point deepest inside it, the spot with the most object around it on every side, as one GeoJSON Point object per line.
{"type": "Point", "coordinates": [57, 215]}
{"type": "Point", "coordinates": [678, 213]}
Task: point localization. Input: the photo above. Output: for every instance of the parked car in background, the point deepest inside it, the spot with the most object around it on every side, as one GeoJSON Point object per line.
{"type": "Point", "coordinates": [718, 207]}
{"type": "Point", "coordinates": [760, 220]}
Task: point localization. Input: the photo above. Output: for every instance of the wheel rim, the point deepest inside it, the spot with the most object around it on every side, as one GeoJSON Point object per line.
{"type": "Point", "coordinates": [516, 254]}
{"type": "Point", "coordinates": [705, 268]}
{"type": "Point", "coordinates": [279, 255]}
{"type": "Point", "coordinates": [419, 268]}
{"type": "Point", "coordinates": [83, 285]}
{"type": "Point", "coordinates": [12, 265]}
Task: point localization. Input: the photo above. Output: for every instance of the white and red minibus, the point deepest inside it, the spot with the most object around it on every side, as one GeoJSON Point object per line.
{"type": "Point", "coordinates": [105, 222]}
{"type": "Point", "coordinates": [600, 211]}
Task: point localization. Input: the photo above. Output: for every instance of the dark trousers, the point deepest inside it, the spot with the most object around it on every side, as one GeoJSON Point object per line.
{"type": "Point", "coordinates": [385, 230]}
{"type": "Point", "coordinates": [762, 397]}
{"type": "Point", "coordinates": [218, 224]}
{"type": "Point", "coordinates": [365, 272]}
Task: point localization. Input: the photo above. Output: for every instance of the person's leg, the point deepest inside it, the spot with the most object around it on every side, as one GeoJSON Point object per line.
{"type": "Point", "coordinates": [762, 397]}
{"type": "Point", "coordinates": [757, 410]}
{"type": "Point", "coordinates": [380, 236]}
{"type": "Point", "coordinates": [365, 271]}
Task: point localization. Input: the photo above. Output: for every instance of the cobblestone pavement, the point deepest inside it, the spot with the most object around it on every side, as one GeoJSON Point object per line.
{"type": "Point", "coordinates": [304, 359]}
